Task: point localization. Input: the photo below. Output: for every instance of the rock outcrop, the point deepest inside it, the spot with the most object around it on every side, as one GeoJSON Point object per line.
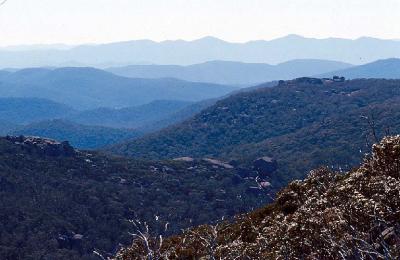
{"type": "Point", "coordinates": [218, 163]}
{"type": "Point", "coordinates": [265, 166]}
{"type": "Point", "coordinates": [43, 146]}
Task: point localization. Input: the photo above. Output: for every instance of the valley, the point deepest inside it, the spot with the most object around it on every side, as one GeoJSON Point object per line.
{"type": "Point", "coordinates": [203, 130]}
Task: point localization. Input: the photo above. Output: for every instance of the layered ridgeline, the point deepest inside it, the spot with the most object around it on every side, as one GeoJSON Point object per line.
{"type": "Point", "coordinates": [382, 69]}
{"type": "Point", "coordinates": [60, 203]}
{"type": "Point", "coordinates": [302, 123]}
{"type": "Point", "coordinates": [329, 215]}
{"type": "Point", "coordinates": [91, 129]}
{"type": "Point", "coordinates": [232, 73]}
{"type": "Point", "coordinates": [88, 88]}
{"type": "Point", "coordinates": [42, 117]}
{"type": "Point", "coordinates": [29, 110]}
{"type": "Point", "coordinates": [32, 110]}
{"type": "Point", "coordinates": [131, 117]}
{"type": "Point", "coordinates": [206, 49]}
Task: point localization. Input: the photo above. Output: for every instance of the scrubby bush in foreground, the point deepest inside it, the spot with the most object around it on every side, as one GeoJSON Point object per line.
{"type": "Point", "coordinates": [329, 215]}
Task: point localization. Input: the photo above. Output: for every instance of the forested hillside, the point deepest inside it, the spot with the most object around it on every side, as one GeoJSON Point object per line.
{"type": "Point", "coordinates": [130, 117]}
{"type": "Point", "coordinates": [29, 110]}
{"type": "Point", "coordinates": [60, 203]}
{"type": "Point", "coordinates": [80, 136]}
{"type": "Point", "coordinates": [303, 124]}
{"type": "Point", "coordinates": [91, 129]}
{"type": "Point", "coordinates": [6, 127]}
{"type": "Point", "coordinates": [199, 130]}
{"type": "Point", "coordinates": [329, 215]}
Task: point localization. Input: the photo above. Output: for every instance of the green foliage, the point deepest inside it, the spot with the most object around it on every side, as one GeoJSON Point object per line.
{"type": "Point", "coordinates": [329, 215]}
{"type": "Point", "coordinates": [302, 125]}
{"type": "Point", "coordinates": [47, 202]}
{"type": "Point", "coordinates": [131, 117]}
{"type": "Point", "coordinates": [80, 136]}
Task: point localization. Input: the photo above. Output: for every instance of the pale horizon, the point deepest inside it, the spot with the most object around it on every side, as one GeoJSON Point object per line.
{"type": "Point", "coordinates": [186, 40]}
{"type": "Point", "coordinates": [77, 22]}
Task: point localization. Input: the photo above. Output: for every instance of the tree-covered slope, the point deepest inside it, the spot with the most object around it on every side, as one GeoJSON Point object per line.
{"type": "Point", "coordinates": [6, 127]}
{"type": "Point", "coordinates": [60, 203]}
{"type": "Point", "coordinates": [29, 110]}
{"type": "Point", "coordinates": [150, 116]}
{"type": "Point", "coordinates": [329, 215]}
{"type": "Point", "coordinates": [131, 117]}
{"type": "Point", "coordinates": [177, 116]}
{"type": "Point", "coordinates": [301, 123]}
{"type": "Point", "coordinates": [80, 136]}
{"type": "Point", "coordinates": [90, 129]}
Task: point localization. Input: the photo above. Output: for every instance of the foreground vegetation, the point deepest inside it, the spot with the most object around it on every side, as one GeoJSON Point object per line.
{"type": "Point", "coordinates": [329, 215]}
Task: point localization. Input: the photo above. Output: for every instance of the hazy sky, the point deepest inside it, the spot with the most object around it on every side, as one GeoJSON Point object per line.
{"type": "Point", "coordinates": [84, 21]}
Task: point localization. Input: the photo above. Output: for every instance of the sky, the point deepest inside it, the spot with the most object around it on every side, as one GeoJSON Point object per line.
{"type": "Point", "coordinates": [101, 21]}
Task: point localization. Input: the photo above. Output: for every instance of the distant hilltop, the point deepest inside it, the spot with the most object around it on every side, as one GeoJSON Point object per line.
{"type": "Point", "coordinates": [312, 81]}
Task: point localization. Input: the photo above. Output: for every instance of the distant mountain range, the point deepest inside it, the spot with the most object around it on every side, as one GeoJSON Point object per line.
{"type": "Point", "coordinates": [232, 73]}
{"type": "Point", "coordinates": [23, 111]}
{"type": "Point", "coordinates": [89, 88]}
{"type": "Point", "coordinates": [141, 104]}
{"type": "Point", "coordinates": [382, 69]}
{"type": "Point", "coordinates": [291, 47]}
{"type": "Point", "coordinates": [92, 128]}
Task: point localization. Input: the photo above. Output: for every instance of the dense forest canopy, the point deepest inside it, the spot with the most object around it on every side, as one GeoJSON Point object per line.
{"type": "Point", "coordinates": [329, 215]}
{"type": "Point", "coordinates": [303, 123]}
{"type": "Point", "coordinates": [62, 203]}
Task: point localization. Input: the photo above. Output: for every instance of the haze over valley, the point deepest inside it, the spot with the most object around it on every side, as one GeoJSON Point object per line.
{"type": "Point", "coordinates": [128, 132]}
